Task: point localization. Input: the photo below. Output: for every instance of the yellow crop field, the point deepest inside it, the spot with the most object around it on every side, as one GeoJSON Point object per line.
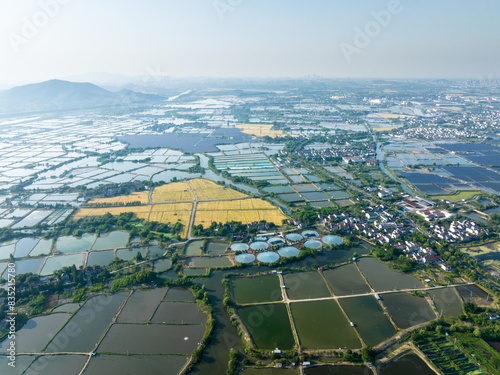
{"type": "Point", "coordinates": [384, 129]}
{"type": "Point", "coordinates": [260, 130]}
{"type": "Point", "coordinates": [173, 192]}
{"type": "Point", "coordinates": [245, 216]}
{"type": "Point", "coordinates": [172, 207]}
{"type": "Point", "coordinates": [244, 210]}
{"type": "Point", "coordinates": [391, 115]}
{"type": "Point", "coordinates": [141, 196]}
{"type": "Point", "coordinates": [140, 211]}
{"type": "Point", "coordinates": [207, 190]}
{"type": "Point", "coordinates": [172, 213]}
{"type": "Point", "coordinates": [241, 204]}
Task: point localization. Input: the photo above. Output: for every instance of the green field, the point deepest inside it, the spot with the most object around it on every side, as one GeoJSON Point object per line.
{"type": "Point", "coordinates": [457, 197]}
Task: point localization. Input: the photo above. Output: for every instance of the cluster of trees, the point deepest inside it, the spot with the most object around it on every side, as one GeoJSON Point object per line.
{"type": "Point", "coordinates": [141, 277]}
{"type": "Point", "coordinates": [391, 254]}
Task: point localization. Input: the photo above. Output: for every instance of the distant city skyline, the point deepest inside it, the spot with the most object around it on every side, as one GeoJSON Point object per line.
{"type": "Point", "coordinates": [47, 39]}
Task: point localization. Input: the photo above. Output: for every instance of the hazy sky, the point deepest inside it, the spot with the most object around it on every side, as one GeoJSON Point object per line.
{"type": "Point", "coordinates": [250, 38]}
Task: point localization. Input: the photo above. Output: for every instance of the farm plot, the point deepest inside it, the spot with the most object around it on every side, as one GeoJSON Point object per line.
{"type": "Point", "coordinates": [260, 130]}
{"type": "Point", "coordinates": [245, 210]}
{"type": "Point", "coordinates": [140, 197]}
{"type": "Point", "coordinates": [173, 192]}
{"type": "Point", "coordinates": [141, 212]}
{"type": "Point", "coordinates": [447, 357]}
{"type": "Point", "coordinates": [208, 190]}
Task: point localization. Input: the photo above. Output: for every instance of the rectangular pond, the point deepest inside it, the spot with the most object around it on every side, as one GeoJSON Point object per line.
{"type": "Point", "coordinates": [112, 240]}
{"type": "Point", "coordinates": [36, 333]}
{"type": "Point", "coordinates": [220, 261]}
{"type": "Point", "coordinates": [216, 248]}
{"type": "Point", "coordinates": [100, 258]}
{"type": "Point", "coordinates": [43, 247]}
{"type": "Point", "coordinates": [83, 331]}
{"type": "Point", "coordinates": [381, 278]}
{"type": "Point", "coordinates": [446, 301]}
{"type": "Point", "coordinates": [104, 364]}
{"type": "Point", "coordinates": [322, 325]}
{"type": "Point", "coordinates": [57, 262]}
{"type": "Point", "coordinates": [194, 248]}
{"type": "Point", "coordinates": [268, 326]}
{"type": "Point", "coordinates": [178, 312]}
{"type": "Point", "coordinates": [302, 285]}
{"type": "Point", "coordinates": [407, 310]}
{"type": "Point", "coordinates": [141, 305]}
{"type": "Point", "coordinates": [69, 244]}
{"type": "Point", "coordinates": [256, 289]}
{"type": "Point", "coordinates": [57, 364]}
{"type": "Point", "coordinates": [369, 319]}
{"type": "Point", "coordinates": [346, 280]}
{"type": "Point", "coordinates": [151, 339]}
{"type": "Point", "coordinates": [179, 294]}
{"type": "Point", "coordinates": [26, 265]}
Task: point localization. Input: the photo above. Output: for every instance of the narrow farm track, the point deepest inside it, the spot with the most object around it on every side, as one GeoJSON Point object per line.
{"type": "Point", "coordinates": [287, 300]}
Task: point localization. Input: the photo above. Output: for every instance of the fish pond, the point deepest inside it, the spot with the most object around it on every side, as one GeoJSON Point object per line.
{"type": "Point", "coordinates": [338, 370]}
{"type": "Point", "coordinates": [103, 364]}
{"type": "Point", "coordinates": [369, 319]}
{"type": "Point", "coordinates": [409, 364]}
{"type": "Point", "coordinates": [55, 263]}
{"type": "Point", "coordinates": [321, 325]}
{"type": "Point", "coordinates": [194, 248]}
{"type": "Point", "coordinates": [346, 280]}
{"type": "Point", "coordinates": [381, 278]}
{"type": "Point", "coordinates": [268, 326]}
{"type": "Point", "coordinates": [446, 301]}
{"type": "Point", "coordinates": [407, 310]}
{"type": "Point", "coordinates": [69, 244]}
{"type": "Point", "coordinates": [304, 285]}
{"type": "Point", "coordinates": [221, 261]}
{"type": "Point", "coordinates": [112, 240]}
{"type": "Point", "coordinates": [216, 248]}
{"type": "Point", "coordinates": [256, 289]}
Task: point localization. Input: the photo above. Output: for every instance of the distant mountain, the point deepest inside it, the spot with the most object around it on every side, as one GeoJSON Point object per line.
{"type": "Point", "coordinates": [59, 95]}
